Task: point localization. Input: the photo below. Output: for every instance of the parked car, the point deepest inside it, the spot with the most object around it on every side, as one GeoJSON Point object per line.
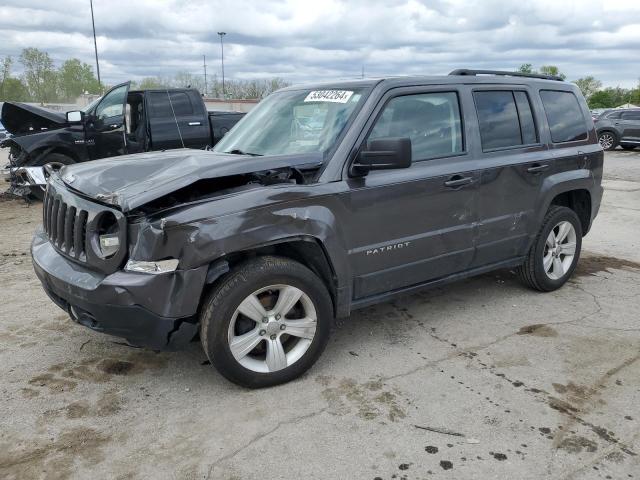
{"type": "Point", "coordinates": [619, 127]}
{"type": "Point", "coordinates": [122, 121]}
{"type": "Point", "coordinates": [392, 186]}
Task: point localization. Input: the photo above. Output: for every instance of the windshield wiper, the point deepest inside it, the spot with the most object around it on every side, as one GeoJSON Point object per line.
{"type": "Point", "coordinates": [235, 151]}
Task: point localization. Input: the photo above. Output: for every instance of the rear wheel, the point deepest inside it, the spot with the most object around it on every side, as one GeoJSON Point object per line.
{"type": "Point", "coordinates": [267, 322]}
{"type": "Point", "coordinates": [555, 252]}
{"type": "Point", "coordinates": [607, 140]}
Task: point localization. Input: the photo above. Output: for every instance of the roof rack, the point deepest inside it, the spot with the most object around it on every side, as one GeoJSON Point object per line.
{"type": "Point", "coordinates": [465, 71]}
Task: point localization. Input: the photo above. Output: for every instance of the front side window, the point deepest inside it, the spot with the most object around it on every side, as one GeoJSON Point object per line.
{"type": "Point", "coordinates": [112, 105]}
{"type": "Point", "coordinates": [505, 119]}
{"type": "Point", "coordinates": [430, 120]}
{"type": "Point", "coordinates": [566, 121]}
{"type": "Point", "coordinates": [293, 122]}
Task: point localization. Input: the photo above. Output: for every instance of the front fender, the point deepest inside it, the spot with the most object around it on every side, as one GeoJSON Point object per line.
{"type": "Point", "coordinates": [203, 242]}
{"type": "Point", "coordinates": [38, 144]}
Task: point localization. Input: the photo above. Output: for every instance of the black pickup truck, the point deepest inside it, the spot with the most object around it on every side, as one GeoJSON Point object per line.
{"type": "Point", "coordinates": [123, 121]}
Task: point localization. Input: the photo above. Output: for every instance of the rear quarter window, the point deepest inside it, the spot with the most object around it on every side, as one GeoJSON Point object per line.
{"type": "Point", "coordinates": [566, 121]}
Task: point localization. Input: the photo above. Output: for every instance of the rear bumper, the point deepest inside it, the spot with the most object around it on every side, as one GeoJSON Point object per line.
{"type": "Point", "coordinates": [155, 311]}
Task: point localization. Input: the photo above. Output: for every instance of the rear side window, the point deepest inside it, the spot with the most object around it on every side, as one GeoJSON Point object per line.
{"type": "Point", "coordinates": [564, 115]}
{"type": "Point", "coordinates": [430, 120]}
{"type": "Point", "coordinates": [631, 115]}
{"type": "Point", "coordinates": [505, 119]}
{"type": "Point", "coordinates": [160, 106]}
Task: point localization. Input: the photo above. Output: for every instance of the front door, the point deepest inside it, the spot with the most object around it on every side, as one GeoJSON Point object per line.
{"type": "Point", "coordinates": [105, 128]}
{"type": "Point", "coordinates": [409, 226]}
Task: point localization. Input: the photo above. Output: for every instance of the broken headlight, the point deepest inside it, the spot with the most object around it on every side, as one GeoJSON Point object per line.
{"type": "Point", "coordinates": [155, 268]}
{"type": "Point", "coordinates": [107, 235]}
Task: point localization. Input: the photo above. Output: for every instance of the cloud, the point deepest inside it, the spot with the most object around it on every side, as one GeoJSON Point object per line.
{"type": "Point", "coordinates": [304, 41]}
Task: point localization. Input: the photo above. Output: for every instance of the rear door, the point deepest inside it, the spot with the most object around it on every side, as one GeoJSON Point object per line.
{"type": "Point", "coordinates": [412, 225]}
{"type": "Point", "coordinates": [105, 129]}
{"type": "Point", "coordinates": [629, 125]}
{"type": "Point", "coordinates": [514, 163]}
{"type": "Point", "coordinates": [176, 117]}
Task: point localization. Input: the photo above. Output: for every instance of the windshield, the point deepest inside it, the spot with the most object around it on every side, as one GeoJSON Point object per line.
{"type": "Point", "coordinates": [291, 122]}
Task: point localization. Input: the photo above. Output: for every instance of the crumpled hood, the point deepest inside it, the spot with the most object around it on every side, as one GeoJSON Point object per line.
{"type": "Point", "coordinates": [20, 118]}
{"type": "Point", "coordinates": [130, 181]}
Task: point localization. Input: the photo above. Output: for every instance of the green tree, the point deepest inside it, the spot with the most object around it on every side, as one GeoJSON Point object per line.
{"type": "Point", "coordinates": [76, 78]}
{"type": "Point", "coordinates": [588, 86]}
{"type": "Point", "coordinates": [526, 68]}
{"type": "Point", "coordinates": [13, 89]}
{"type": "Point", "coordinates": [39, 75]}
{"type": "Point", "coordinates": [552, 70]}
{"type": "Point", "coordinates": [152, 82]}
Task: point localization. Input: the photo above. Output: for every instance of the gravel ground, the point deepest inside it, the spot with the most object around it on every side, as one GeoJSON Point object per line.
{"type": "Point", "coordinates": [481, 379]}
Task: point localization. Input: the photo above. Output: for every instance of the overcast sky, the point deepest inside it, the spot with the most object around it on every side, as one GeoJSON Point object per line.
{"type": "Point", "coordinates": [308, 40]}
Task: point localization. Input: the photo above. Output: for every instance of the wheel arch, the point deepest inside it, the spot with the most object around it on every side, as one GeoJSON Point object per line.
{"type": "Point", "coordinates": [305, 249]}
{"type": "Point", "coordinates": [573, 189]}
{"type": "Point", "coordinates": [579, 201]}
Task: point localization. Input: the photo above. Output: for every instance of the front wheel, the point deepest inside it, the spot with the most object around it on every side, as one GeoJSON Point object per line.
{"type": "Point", "coordinates": [628, 147]}
{"type": "Point", "coordinates": [607, 140]}
{"type": "Point", "coordinates": [555, 251]}
{"type": "Point", "coordinates": [267, 322]}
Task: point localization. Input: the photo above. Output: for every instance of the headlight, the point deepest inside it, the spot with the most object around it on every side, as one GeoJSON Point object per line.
{"type": "Point", "coordinates": [109, 244]}
{"type": "Point", "coordinates": [107, 235]}
{"type": "Point", "coordinates": [155, 268]}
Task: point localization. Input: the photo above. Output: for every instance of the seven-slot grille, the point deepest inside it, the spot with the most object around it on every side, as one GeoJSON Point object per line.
{"type": "Point", "coordinates": [65, 225]}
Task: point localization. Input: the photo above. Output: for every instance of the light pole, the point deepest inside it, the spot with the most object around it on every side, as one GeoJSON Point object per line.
{"type": "Point", "coordinates": [222, 34]}
{"type": "Point", "coordinates": [204, 64]}
{"type": "Point", "coordinates": [95, 44]}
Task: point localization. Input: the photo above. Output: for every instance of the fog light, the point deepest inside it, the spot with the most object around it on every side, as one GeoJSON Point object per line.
{"type": "Point", "coordinates": [161, 266]}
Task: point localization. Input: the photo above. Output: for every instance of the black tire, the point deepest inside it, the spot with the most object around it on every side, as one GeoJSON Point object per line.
{"type": "Point", "coordinates": [532, 272]}
{"type": "Point", "coordinates": [38, 193]}
{"type": "Point", "coordinates": [221, 303]}
{"type": "Point", "coordinates": [628, 147]}
{"type": "Point", "coordinates": [614, 143]}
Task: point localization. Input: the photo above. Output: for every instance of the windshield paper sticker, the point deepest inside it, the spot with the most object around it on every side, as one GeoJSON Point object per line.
{"type": "Point", "coordinates": [334, 96]}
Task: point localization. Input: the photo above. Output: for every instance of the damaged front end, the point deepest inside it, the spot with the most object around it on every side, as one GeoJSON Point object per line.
{"type": "Point", "coordinates": [120, 251]}
{"type": "Point", "coordinates": [30, 127]}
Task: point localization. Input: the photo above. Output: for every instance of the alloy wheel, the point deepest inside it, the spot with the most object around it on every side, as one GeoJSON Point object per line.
{"type": "Point", "coordinates": [606, 140]}
{"type": "Point", "coordinates": [559, 250]}
{"type": "Point", "coordinates": [272, 328]}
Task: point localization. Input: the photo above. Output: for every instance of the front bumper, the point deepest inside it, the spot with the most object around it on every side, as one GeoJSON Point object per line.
{"type": "Point", "coordinates": [155, 311]}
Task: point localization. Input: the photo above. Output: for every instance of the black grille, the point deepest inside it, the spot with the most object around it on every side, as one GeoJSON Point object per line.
{"type": "Point", "coordinates": [66, 226]}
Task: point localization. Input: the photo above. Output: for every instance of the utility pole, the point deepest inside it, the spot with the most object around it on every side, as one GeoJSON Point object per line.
{"type": "Point", "coordinates": [204, 64]}
{"type": "Point", "coordinates": [95, 44]}
{"type": "Point", "coordinates": [222, 34]}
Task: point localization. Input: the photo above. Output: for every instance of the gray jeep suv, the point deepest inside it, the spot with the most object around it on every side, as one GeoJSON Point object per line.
{"type": "Point", "coordinates": [323, 199]}
{"type": "Point", "coordinates": [619, 127]}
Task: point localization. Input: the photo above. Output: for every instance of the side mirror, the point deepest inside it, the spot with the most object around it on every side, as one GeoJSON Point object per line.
{"type": "Point", "coordinates": [75, 116]}
{"type": "Point", "coordinates": [383, 154]}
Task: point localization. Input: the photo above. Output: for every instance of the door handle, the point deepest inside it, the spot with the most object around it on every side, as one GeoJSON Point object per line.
{"type": "Point", "coordinates": [537, 168]}
{"type": "Point", "coordinates": [191, 124]}
{"type": "Point", "coordinates": [458, 181]}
